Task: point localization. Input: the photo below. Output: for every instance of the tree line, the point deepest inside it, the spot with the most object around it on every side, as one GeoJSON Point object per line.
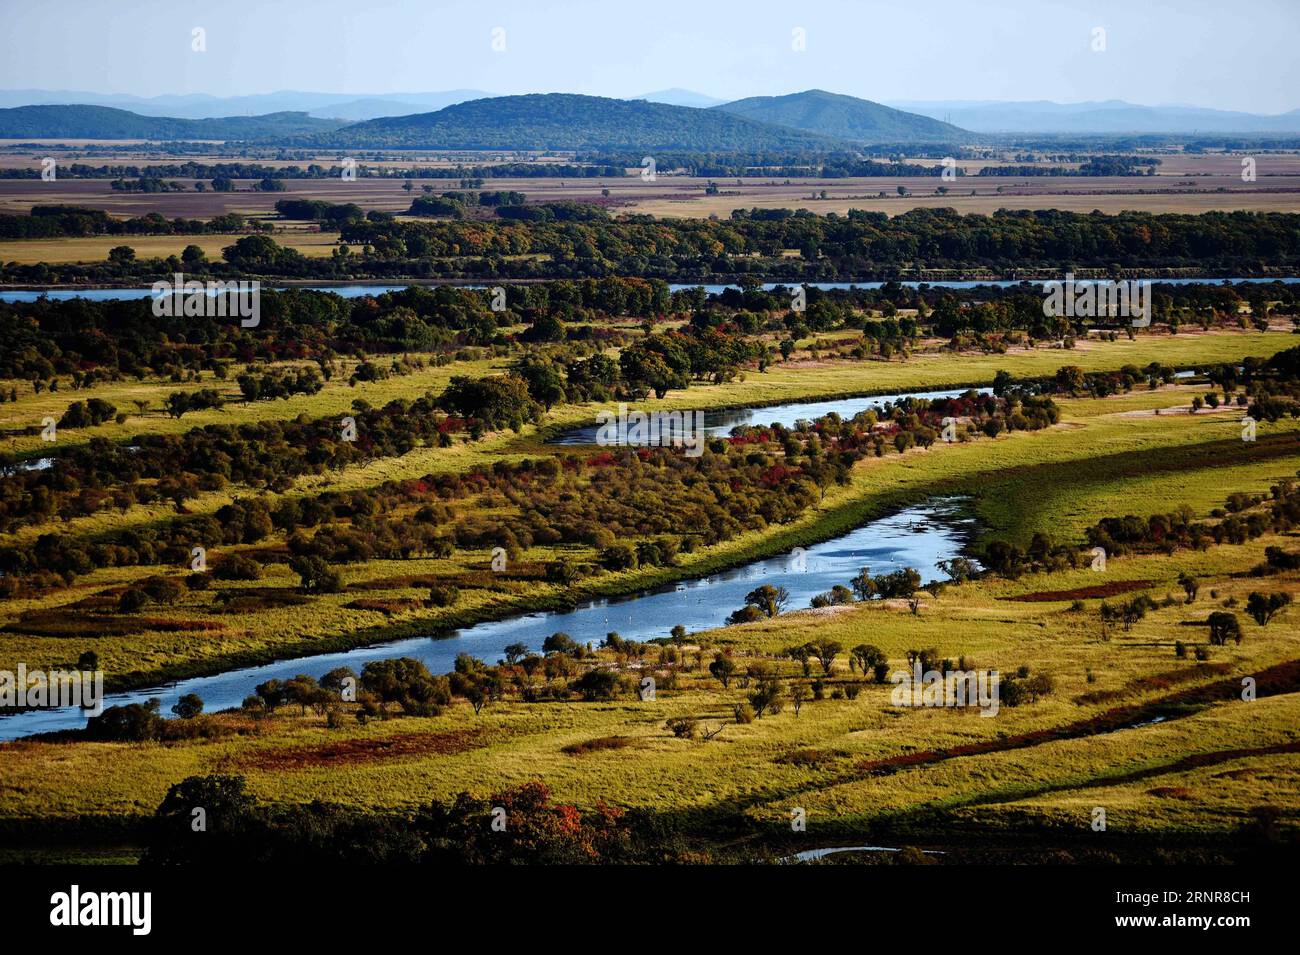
{"type": "Point", "coordinates": [572, 240]}
{"type": "Point", "coordinates": [60, 222]}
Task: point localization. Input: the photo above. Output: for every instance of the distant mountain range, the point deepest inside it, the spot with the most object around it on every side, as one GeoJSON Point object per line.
{"type": "Point", "coordinates": [845, 117]}
{"type": "Point", "coordinates": [105, 122]}
{"type": "Point", "coordinates": [349, 106]}
{"type": "Point", "coordinates": [812, 119]}
{"type": "Point", "coordinates": [1098, 118]}
{"type": "Point", "coordinates": [674, 119]}
{"type": "Point", "coordinates": [569, 121]}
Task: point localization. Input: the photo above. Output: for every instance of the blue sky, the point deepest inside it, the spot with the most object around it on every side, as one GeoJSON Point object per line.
{"type": "Point", "coordinates": [1200, 52]}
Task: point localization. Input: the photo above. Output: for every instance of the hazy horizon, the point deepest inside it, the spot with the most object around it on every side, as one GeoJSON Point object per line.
{"type": "Point", "coordinates": [369, 94]}
{"type": "Point", "coordinates": [1162, 54]}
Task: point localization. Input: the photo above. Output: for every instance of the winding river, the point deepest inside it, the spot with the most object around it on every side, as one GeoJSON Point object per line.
{"type": "Point", "coordinates": [720, 421]}
{"type": "Point", "coordinates": [917, 537]}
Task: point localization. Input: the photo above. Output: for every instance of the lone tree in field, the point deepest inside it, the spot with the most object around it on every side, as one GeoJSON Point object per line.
{"type": "Point", "coordinates": [825, 651]}
{"type": "Point", "coordinates": [802, 654]}
{"type": "Point", "coordinates": [678, 634]}
{"type": "Point", "coordinates": [766, 695]}
{"type": "Point", "coordinates": [798, 694]}
{"type": "Point", "coordinates": [722, 668]}
{"type": "Point", "coordinates": [1224, 627]}
{"type": "Point", "coordinates": [867, 657]}
{"type": "Point", "coordinates": [1263, 608]}
{"type": "Point", "coordinates": [1134, 610]}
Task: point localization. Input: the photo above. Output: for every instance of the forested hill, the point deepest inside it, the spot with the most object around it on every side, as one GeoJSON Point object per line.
{"type": "Point", "coordinates": [845, 117]}
{"type": "Point", "coordinates": [105, 122]}
{"type": "Point", "coordinates": [569, 121]}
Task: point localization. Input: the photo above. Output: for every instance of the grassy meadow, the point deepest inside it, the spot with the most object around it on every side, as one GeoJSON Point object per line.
{"type": "Point", "coordinates": [1203, 769]}
{"type": "Point", "coordinates": [1056, 481]}
{"type": "Point", "coordinates": [1123, 728]}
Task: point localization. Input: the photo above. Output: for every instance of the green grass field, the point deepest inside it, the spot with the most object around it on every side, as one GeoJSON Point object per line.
{"type": "Point", "coordinates": [813, 760]}
{"type": "Point", "coordinates": [1105, 456]}
{"type": "Point", "coordinates": [1200, 772]}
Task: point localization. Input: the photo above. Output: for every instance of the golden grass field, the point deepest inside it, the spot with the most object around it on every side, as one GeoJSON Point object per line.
{"type": "Point", "coordinates": [1193, 773]}
{"type": "Point", "coordinates": [93, 249]}
{"type": "Point", "coordinates": [1200, 773]}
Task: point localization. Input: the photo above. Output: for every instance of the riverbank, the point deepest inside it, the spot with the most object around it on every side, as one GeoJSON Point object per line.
{"type": "Point", "coordinates": [864, 771]}
{"type": "Point", "coordinates": [877, 487]}
{"type": "Point", "coordinates": [623, 591]}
